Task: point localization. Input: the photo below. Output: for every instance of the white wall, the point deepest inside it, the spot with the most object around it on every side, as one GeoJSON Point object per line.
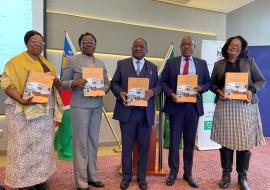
{"type": "Point", "coordinates": [138, 12]}
{"type": "Point", "coordinates": [252, 22]}
{"type": "Point", "coordinates": [146, 12]}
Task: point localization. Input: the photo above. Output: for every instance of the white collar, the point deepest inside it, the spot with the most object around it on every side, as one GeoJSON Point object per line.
{"type": "Point", "coordinates": [183, 58]}
{"type": "Point", "coordinates": [135, 60]}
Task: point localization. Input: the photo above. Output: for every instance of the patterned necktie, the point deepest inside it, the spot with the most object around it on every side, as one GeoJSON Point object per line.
{"type": "Point", "coordinates": [185, 71]}
{"type": "Point", "coordinates": [138, 70]}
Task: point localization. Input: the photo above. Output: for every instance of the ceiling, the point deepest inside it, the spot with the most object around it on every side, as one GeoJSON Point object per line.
{"type": "Point", "coordinates": [224, 6]}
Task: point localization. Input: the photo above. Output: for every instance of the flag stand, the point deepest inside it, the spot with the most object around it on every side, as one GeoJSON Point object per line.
{"type": "Point", "coordinates": [119, 150]}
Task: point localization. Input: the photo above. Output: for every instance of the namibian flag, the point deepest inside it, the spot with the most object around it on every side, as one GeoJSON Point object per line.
{"type": "Point", "coordinates": [63, 135]}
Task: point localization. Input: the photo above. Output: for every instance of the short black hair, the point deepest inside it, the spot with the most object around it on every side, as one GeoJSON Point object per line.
{"type": "Point", "coordinates": [142, 40]}
{"type": "Point", "coordinates": [31, 33]}
{"type": "Point", "coordinates": [244, 51]}
{"type": "Point", "coordinates": [86, 34]}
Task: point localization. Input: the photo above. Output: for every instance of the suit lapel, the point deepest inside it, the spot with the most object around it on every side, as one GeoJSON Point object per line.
{"type": "Point", "coordinates": [82, 62]}
{"type": "Point", "coordinates": [243, 65]}
{"type": "Point", "coordinates": [177, 66]}
{"type": "Point", "coordinates": [130, 68]}
{"type": "Point", "coordinates": [149, 71]}
{"type": "Point", "coordinates": [197, 65]}
{"type": "Point", "coordinates": [221, 71]}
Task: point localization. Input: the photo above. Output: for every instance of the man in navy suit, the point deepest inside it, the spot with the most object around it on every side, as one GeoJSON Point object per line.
{"type": "Point", "coordinates": [183, 117]}
{"type": "Point", "coordinates": [135, 122]}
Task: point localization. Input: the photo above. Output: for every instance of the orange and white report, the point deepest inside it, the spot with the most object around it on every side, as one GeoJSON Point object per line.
{"type": "Point", "coordinates": [236, 85]}
{"type": "Point", "coordinates": [39, 86]}
{"type": "Point", "coordinates": [136, 91]}
{"type": "Point", "coordinates": [186, 91]}
{"type": "Point", "coordinates": [95, 81]}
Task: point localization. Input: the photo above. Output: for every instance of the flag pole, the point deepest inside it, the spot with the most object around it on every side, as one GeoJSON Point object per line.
{"type": "Point", "coordinates": [166, 58]}
{"type": "Point", "coordinates": [71, 44]}
{"type": "Point", "coordinates": [161, 115]}
{"type": "Point", "coordinates": [113, 131]}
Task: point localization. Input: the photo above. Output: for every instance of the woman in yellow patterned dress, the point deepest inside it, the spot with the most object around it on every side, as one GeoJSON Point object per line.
{"type": "Point", "coordinates": [30, 132]}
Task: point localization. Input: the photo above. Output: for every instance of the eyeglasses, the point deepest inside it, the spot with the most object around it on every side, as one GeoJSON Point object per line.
{"type": "Point", "coordinates": [88, 43]}
{"type": "Point", "coordinates": [139, 46]}
{"type": "Point", "coordinates": [35, 42]}
{"type": "Point", "coordinates": [235, 46]}
{"type": "Point", "coordinates": [187, 44]}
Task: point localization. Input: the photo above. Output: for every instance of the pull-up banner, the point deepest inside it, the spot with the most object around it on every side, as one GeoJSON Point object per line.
{"type": "Point", "coordinates": [211, 52]}
{"type": "Point", "coordinates": [261, 55]}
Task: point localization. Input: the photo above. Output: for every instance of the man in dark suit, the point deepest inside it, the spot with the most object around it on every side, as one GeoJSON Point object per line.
{"type": "Point", "coordinates": [135, 122]}
{"type": "Point", "coordinates": [183, 117]}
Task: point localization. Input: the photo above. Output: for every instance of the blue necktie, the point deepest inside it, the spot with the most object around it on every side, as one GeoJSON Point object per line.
{"type": "Point", "coordinates": [138, 70]}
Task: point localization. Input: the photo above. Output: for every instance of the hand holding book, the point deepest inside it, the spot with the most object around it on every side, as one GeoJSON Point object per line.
{"type": "Point", "coordinates": [27, 101]}
{"type": "Point", "coordinates": [148, 94]}
{"type": "Point", "coordinates": [124, 96]}
{"type": "Point", "coordinates": [249, 96]}
{"type": "Point", "coordinates": [174, 98]}
{"type": "Point", "coordinates": [221, 95]}
{"type": "Point", "coordinates": [198, 88]}
{"type": "Point", "coordinates": [79, 83]}
{"type": "Point", "coordinates": [57, 82]}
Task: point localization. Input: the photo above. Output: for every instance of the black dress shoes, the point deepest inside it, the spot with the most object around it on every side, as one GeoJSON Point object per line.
{"type": "Point", "coordinates": [41, 186]}
{"type": "Point", "coordinates": [124, 184]}
{"type": "Point", "coordinates": [191, 181]}
{"type": "Point", "coordinates": [225, 181]}
{"type": "Point", "coordinates": [243, 184]}
{"type": "Point", "coordinates": [97, 184]}
{"type": "Point", "coordinates": [28, 188]}
{"type": "Point", "coordinates": [170, 180]}
{"type": "Point", "coordinates": [143, 184]}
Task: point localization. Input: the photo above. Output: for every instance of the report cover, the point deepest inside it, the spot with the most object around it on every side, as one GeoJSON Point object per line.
{"type": "Point", "coordinates": [186, 85]}
{"type": "Point", "coordinates": [136, 91]}
{"type": "Point", "coordinates": [39, 86]}
{"type": "Point", "coordinates": [236, 85]}
{"type": "Point", "coordinates": [95, 81]}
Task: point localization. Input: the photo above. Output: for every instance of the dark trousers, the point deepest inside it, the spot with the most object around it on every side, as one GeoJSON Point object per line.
{"type": "Point", "coordinates": [183, 122]}
{"type": "Point", "coordinates": [135, 129]}
{"type": "Point", "coordinates": [242, 161]}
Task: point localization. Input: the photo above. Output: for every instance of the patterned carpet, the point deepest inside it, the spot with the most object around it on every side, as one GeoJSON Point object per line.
{"type": "Point", "coordinates": [206, 169]}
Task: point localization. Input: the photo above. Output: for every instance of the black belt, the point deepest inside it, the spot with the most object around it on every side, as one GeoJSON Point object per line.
{"type": "Point", "coordinates": [139, 107]}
